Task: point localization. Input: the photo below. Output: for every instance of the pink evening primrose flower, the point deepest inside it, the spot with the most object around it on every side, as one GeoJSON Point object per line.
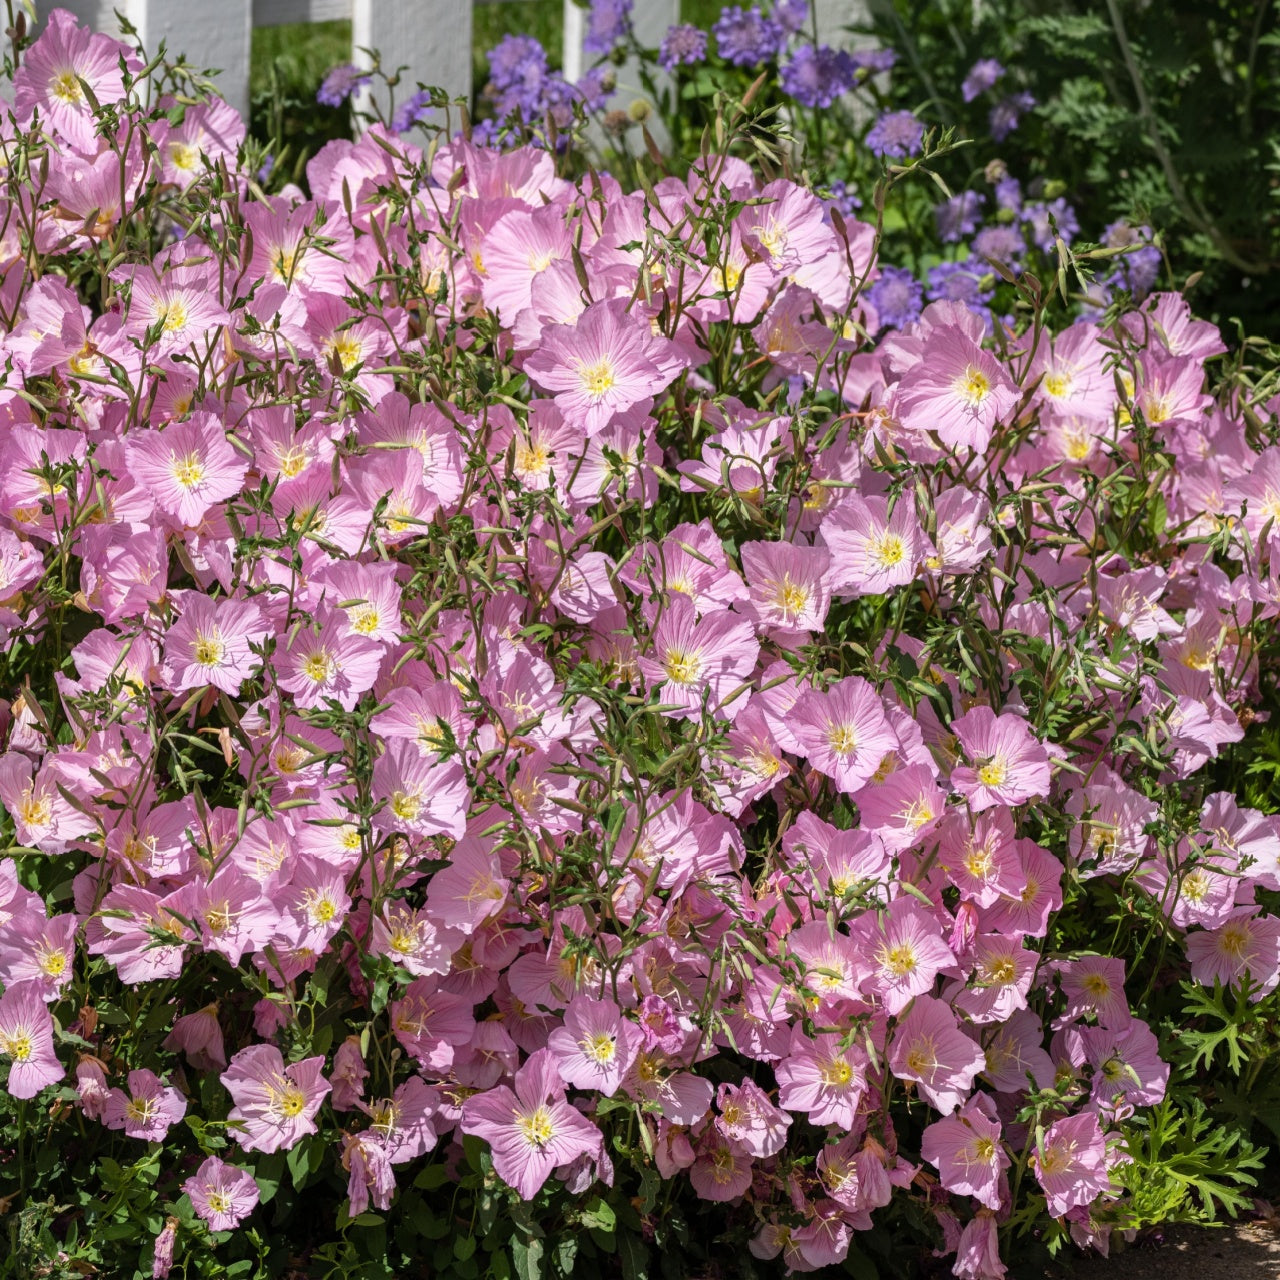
{"type": "Point", "coordinates": [331, 662]}
{"type": "Point", "coordinates": [844, 731]}
{"type": "Point", "coordinates": [906, 951]}
{"type": "Point", "coordinates": [276, 1105]}
{"type": "Point", "coordinates": [1007, 764]}
{"type": "Point", "coordinates": [1070, 1161]}
{"type": "Point", "coordinates": [26, 1040]}
{"type": "Point", "coordinates": [788, 584]}
{"type": "Point", "coordinates": [596, 1046]}
{"type": "Point", "coordinates": [222, 1194]}
{"type": "Point", "coordinates": [874, 551]}
{"type": "Point", "coordinates": [929, 1048]}
{"type": "Point", "coordinates": [531, 1130]}
{"type": "Point", "coordinates": [823, 1077]}
{"type": "Point", "coordinates": [147, 1110]}
{"type": "Point", "coordinates": [605, 363]}
{"type": "Point", "coordinates": [966, 1150]}
{"type": "Point", "coordinates": [210, 643]}
{"type": "Point", "coordinates": [187, 466]}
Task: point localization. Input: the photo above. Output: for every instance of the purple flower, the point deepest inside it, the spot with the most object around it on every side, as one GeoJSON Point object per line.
{"type": "Point", "coordinates": [1007, 112]}
{"type": "Point", "coordinates": [1000, 243]}
{"type": "Point", "coordinates": [896, 133]}
{"type": "Point", "coordinates": [341, 82]}
{"type": "Point", "coordinates": [413, 110]}
{"type": "Point", "coordinates": [746, 37]}
{"type": "Point", "coordinates": [268, 164]}
{"type": "Point", "coordinates": [791, 15]}
{"type": "Point", "coordinates": [817, 77]}
{"type": "Point", "coordinates": [982, 75]}
{"type": "Point", "coordinates": [610, 22]}
{"type": "Point", "coordinates": [516, 59]}
{"type": "Point", "coordinates": [960, 282]}
{"type": "Point", "coordinates": [1037, 222]}
{"type": "Point", "coordinates": [896, 296]}
{"type": "Point", "coordinates": [958, 217]}
{"type": "Point", "coordinates": [1138, 271]}
{"type": "Point", "coordinates": [874, 59]}
{"type": "Point", "coordinates": [683, 43]}
{"type": "Point", "coordinates": [596, 87]}
{"type": "Point", "coordinates": [844, 199]}
{"type": "Point", "coordinates": [1009, 194]}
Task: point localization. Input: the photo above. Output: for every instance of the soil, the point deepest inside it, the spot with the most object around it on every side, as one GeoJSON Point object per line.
{"type": "Point", "coordinates": [1243, 1251]}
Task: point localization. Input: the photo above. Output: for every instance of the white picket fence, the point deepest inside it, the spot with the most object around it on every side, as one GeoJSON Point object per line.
{"type": "Point", "coordinates": [431, 38]}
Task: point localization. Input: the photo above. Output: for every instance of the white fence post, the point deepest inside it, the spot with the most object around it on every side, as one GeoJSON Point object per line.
{"type": "Point", "coordinates": [430, 38]}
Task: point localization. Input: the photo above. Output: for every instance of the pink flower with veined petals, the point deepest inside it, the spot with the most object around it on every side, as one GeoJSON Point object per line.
{"type": "Point", "coordinates": [423, 796]}
{"type": "Point", "coordinates": [1247, 943]}
{"type": "Point", "coordinates": [929, 1048]}
{"type": "Point", "coordinates": [1070, 1162]}
{"type": "Point", "coordinates": [210, 643]}
{"type": "Point", "coordinates": [596, 1046]}
{"type": "Point", "coordinates": [275, 1105]}
{"type": "Point", "coordinates": [332, 662]}
{"type": "Point", "coordinates": [788, 584]}
{"type": "Point", "coordinates": [966, 1150]}
{"type": "Point", "coordinates": [748, 1118]}
{"type": "Point", "coordinates": [873, 550]}
{"type": "Point", "coordinates": [906, 952]}
{"type": "Point", "coordinates": [608, 361]}
{"type": "Point", "coordinates": [694, 656]}
{"type": "Point", "coordinates": [823, 1077]}
{"type": "Point", "coordinates": [531, 1130]}
{"type": "Point", "coordinates": [1007, 764]}
{"type": "Point", "coordinates": [844, 731]}
{"type": "Point", "coordinates": [147, 1110]}
{"type": "Point", "coordinates": [26, 1040]}
{"type": "Point", "coordinates": [187, 466]}
{"type": "Point", "coordinates": [222, 1194]}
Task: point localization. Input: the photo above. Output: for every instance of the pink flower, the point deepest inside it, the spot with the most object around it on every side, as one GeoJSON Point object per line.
{"type": "Point", "coordinates": [605, 363]}
{"type": "Point", "coordinates": [1002, 972]}
{"type": "Point", "coordinates": [147, 1110]}
{"type": "Point", "coordinates": [978, 1253]}
{"type": "Point", "coordinates": [956, 390]}
{"type": "Point", "coordinates": [1070, 1161]}
{"type": "Point", "coordinates": [788, 583]}
{"type": "Point", "coordinates": [596, 1046]}
{"type": "Point", "coordinates": [222, 1194]}
{"type": "Point", "coordinates": [906, 950]}
{"type": "Point", "coordinates": [531, 1130]}
{"type": "Point", "coordinates": [1095, 985]}
{"type": "Point", "coordinates": [844, 731]}
{"type": "Point", "coordinates": [210, 643]}
{"type": "Point", "coordinates": [750, 1120]}
{"type": "Point", "coordinates": [1248, 943]}
{"type": "Point", "coordinates": [26, 1039]}
{"type": "Point", "coordinates": [330, 662]}
{"type": "Point", "coordinates": [199, 1036]}
{"type": "Point", "coordinates": [423, 796]}
{"type": "Point", "coordinates": [187, 466]}
{"type": "Point", "coordinates": [1007, 764]}
{"type": "Point", "coordinates": [929, 1048]}
{"type": "Point", "coordinates": [692, 657]}
{"type": "Point", "coordinates": [966, 1150]}
{"type": "Point", "coordinates": [873, 551]}
{"type": "Point", "coordinates": [823, 1077]}
{"type": "Point", "coordinates": [722, 1169]}
{"type": "Point", "coordinates": [275, 1105]}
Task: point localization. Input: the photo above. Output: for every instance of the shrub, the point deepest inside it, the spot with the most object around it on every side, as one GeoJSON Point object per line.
{"type": "Point", "coordinates": [547, 733]}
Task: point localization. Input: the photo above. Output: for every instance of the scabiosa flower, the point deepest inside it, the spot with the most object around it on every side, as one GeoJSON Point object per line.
{"type": "Point", "coordinates": [896, 133]}
{"type": "Point", "coordinates": [683, 45]}
{"type": "Point", "coordinates": [222, 1194]}
{"type": "Point", "coordinates": [746, 37]}
{"type": "Point", "coordinates": [147, 1110]}
{"type": "Point", "coordinates": [531, 1130]}
{"type": "Point", "coordinates": [1037, 220]}
{"type": "Point", "coordinates": [608, 22]}
{"type": "Point", "coordinates": [982, 75]}
{"type": "Point", "coordinates": [816, 77]}
{"type": "Point", "coordinates": [1007, 764]}
{"type": "Point", "coordinates": [26, 1040]}
{"type": "Point", "coordinates": [414, 110]}
{"type": "Point", "coordinates": [1070, 1161]}
{"type": "Point", "coordinates": [1005, 115]}
{"type": "Point", "coordinates": [341, 82]}
{"type": "Point", "coordinates": [897, 297]}
{"type": "Point", "coordinates": [962, 282]}
{"type": "Point", "coordinates": [999, 243]}
{"type": "Point", "coordinates": [958, 217]}
{"type": "Point", "coordinates": [276, 1105]}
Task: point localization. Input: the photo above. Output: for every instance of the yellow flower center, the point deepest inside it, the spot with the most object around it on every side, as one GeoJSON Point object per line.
{"type": "Point", "coordinates": [681, 667]}
{"type": "Point", "coordinates": [900, 960]}
{"type": "Point", "coordinates": [993, 773]}
{"type": "Point", "coordinates": [35, 810]}
{"type": "Point", "coordinates": [973, 386]}
{"type": "Point", "coordinates": [842, 739]}
{"type": "Point", "coordinates": [188, 471]}
{"type": "Point", "coordinates": [292, 1101]}
{"type": "Point", "coordinates": [835, 1072]}
{"type": "Point", "coordinates": [887, 549]}
{"type": "Point", "coordinates": [172, 315]}
{"type": "Point", "coordinates": [65, 86]}
{"type": "Point", "coordinates": [790, 597]}
{"type": "Point", "coordinates": [406, 805]}
{"type": "Point", "coordinates": [219, 1201]}
{"type": "Point", "coordinates": [141, 1110]}
{"type": "Point", "coordinates": [600, 1047]}
{"type": "Point", "coordinates": [537, 1128]}
{"type": "Point", "coordinates": [1057, 384]}
{"type": "Point", "coordinates": [183, 155]}
{"type": "Point", "coordinates": [208, 650]}
{"type": "Point", "coordinates": [597, 378]}
{"type": "Point", "coordinates": [318, 666]}
{"type": "Point", "coordinates": [17, 1045]}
